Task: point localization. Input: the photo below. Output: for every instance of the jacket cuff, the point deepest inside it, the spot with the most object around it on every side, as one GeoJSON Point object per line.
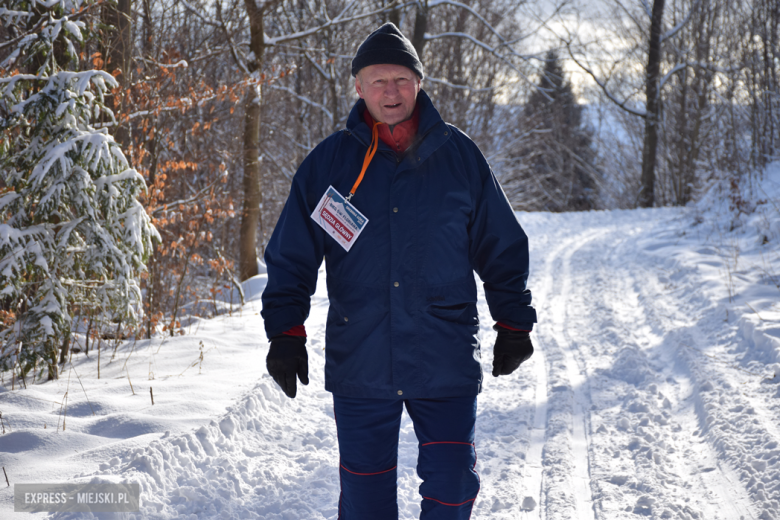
{"type": "Point", "coordinates": [280, 320]}
{"type": "Point", "coordinates": [509, 327]}
{"type": "Point", "coordinates": [298, 330]}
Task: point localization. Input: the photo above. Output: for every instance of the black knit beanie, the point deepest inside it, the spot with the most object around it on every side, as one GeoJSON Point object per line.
{"type": "Point", "coordinates": [387, 45]}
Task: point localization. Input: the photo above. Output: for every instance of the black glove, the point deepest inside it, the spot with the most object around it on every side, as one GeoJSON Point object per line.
{"type": "Point", "coordinates": [286, 358]}
{"type": "Point", "coordinates": [512, 348]}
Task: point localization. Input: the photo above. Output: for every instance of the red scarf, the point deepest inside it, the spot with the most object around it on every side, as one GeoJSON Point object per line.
{"type": "Point", "coordinates": [403, 133]}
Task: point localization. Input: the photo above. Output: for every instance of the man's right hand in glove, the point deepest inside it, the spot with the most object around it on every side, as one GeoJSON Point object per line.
{"type": "Point", "coordinates": [287, 358]}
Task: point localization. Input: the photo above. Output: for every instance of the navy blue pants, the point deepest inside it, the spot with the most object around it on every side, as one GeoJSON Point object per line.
{"type": "Point", "coordinates": [368, 446]}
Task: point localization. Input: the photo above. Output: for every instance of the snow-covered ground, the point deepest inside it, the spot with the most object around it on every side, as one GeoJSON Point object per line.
{"type": "Point", "coordinates": [654, 391]}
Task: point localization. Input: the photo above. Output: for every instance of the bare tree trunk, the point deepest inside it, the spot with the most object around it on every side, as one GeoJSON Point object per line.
{"type": "Point", "coordinates": [420, 26]}
{"type": "Point", "coordinates": [647, 193]}
{"type": "Point", "coordinates": [117, 53]}
{"type": "Point", "coordinates": [769, 45]}
{"type": "Point", "coordinates": [394, 16]}
{"type": "Point", "coordinates": [683, 150]}
{"type": "Point", "coordinates": [148, 30]}
{"type": "Point", "coordinates": [151, 295]}
{"type": "Point", "coordinates": [334, 87]}
{"type": "Point", "coordinates": [53, 374]}
{"type": "Point", "coordinates": [253, 195]}
{"type": "Point", "coordinates": [755, 108]}
{"type": "Point", "coordinates": [774, 23]}
{"type": "Point", "coordinates": [706, 27]}
{"type": "Point", "coordinates": [65, 348]}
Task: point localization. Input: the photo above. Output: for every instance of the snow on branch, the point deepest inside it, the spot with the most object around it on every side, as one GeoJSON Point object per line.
{"type": "Point", "coordinates": [339, 19]}
{"type": "Point", "coordinates": [181, 63]}
{"type": "Point", "coordinates": [674, 30]}
{"type": "Point", "coordinates": [13, 79]}
{"type": "Point", "coordinates": [325, 75]}
{"type": "Point", "coordinates": [10, 14]}
{"type": "Point", "coordinates": [59, 82]}
{"type": "Point", "coordinates": [48, 3]}
{"type": "Point", "coordinates": [33, 32]}
{"type": "Point", "coordinates": [129, 174]}
{"type": "Point", "coordinates": [694, 64]}
{"type": "Point", "coordinates": [471, 10]}
{"type": "Point", "coordinates": [677, 68]}
{"type": "Point", "coordinates": [462, 87]}
{"type": "Point", "coordinates": [303, 98]}
{"type": "Point", "coordinates": [93, 145]}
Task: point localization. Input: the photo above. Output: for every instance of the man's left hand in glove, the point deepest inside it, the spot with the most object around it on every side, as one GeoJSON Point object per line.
{"type": "Point", "coordinates": [287, 358]}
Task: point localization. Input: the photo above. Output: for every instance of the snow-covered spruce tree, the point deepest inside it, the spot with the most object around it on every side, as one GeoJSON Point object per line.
{"type": "Point", "coordinates": [73, 237]}
{"type": "Point", "coordinates": [565, 159]}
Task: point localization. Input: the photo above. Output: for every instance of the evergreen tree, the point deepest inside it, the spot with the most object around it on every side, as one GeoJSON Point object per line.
{"type": "Point", "coordinates": [561, 157]}
{"type": "Point", "coordinates": [73, 237]}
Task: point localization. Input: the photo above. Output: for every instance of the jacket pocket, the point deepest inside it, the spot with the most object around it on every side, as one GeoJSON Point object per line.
{"type": "Point", "coordinates": [355, 309]}
{"type": "Point", "coordinates": [455, 302]}
{"type": "Point", "coordinates": [465, 312]}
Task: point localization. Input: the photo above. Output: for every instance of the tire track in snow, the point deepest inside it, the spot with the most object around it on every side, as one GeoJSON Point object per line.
{"type": "Point", "coordinates": [578, 378]}
{"type": "Point", "coordinates": [565, 491]}
{"type": "Point", "coordinates": [532, 481]}
{"type": "Point", "coordinates": [506, 410]}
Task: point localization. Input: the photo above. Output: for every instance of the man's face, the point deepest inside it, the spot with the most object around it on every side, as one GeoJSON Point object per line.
{"type": "Point", "coordinates": [390, 92]}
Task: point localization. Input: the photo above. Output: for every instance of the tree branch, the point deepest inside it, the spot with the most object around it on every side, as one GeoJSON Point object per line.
{"type": "Point", "coordinates": [42, 21]}
{"type": "Point", "coordinates": [463, 87]}
{"type": "Point", "coordinates": [330, 23]}
{"type": "Point", "coordinates": [674, 30]}
{"type": "Point", "coordinates": [503, 58]}
{"type": "Point", "coordinates": [183, 202]}
{"type": "Point", "coordinates": [603, 86]}
{"type": "Point", "coordinates": [317, 67]}
{"type": "Point", "coordinates": [197, 13]}
{"type": "Point", "coordinates": [478, 16]}
{"type": "Point", "coordinates": [238, 57]}
{"type": "Point", "coordinates": [303, 98]}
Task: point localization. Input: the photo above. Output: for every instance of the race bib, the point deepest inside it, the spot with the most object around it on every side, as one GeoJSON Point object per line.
{"type": "Point", "coordinates": [339, 218]}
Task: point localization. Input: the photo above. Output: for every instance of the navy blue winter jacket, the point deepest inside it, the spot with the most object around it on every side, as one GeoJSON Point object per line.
{"type": "Point", "coordinates": [403, 318]}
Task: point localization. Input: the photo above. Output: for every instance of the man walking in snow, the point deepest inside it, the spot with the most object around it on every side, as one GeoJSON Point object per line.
{"type": "Point", "coordinates": [404, 208]}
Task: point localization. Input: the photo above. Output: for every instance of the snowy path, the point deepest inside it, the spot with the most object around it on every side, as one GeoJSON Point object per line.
{"type": "Point", "coordinates": [616, 445]}
{"type": "Point", "coordinates": [610, 412]}
{"type": "Point", "coordinates": [650, 395]}
{"type": "Point", "coordinates": [634, 401]}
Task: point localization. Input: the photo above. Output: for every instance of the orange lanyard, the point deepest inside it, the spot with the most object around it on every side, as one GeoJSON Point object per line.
{"type": "Point", "coordinates": [367, 160]}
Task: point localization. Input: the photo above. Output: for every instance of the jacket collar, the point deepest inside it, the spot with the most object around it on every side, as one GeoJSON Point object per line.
{"type": "Point", "coordinates": [432, 131]}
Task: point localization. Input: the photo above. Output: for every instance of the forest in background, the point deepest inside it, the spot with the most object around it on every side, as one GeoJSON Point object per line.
{"type": "Point", "coordinates": [214, 103]}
